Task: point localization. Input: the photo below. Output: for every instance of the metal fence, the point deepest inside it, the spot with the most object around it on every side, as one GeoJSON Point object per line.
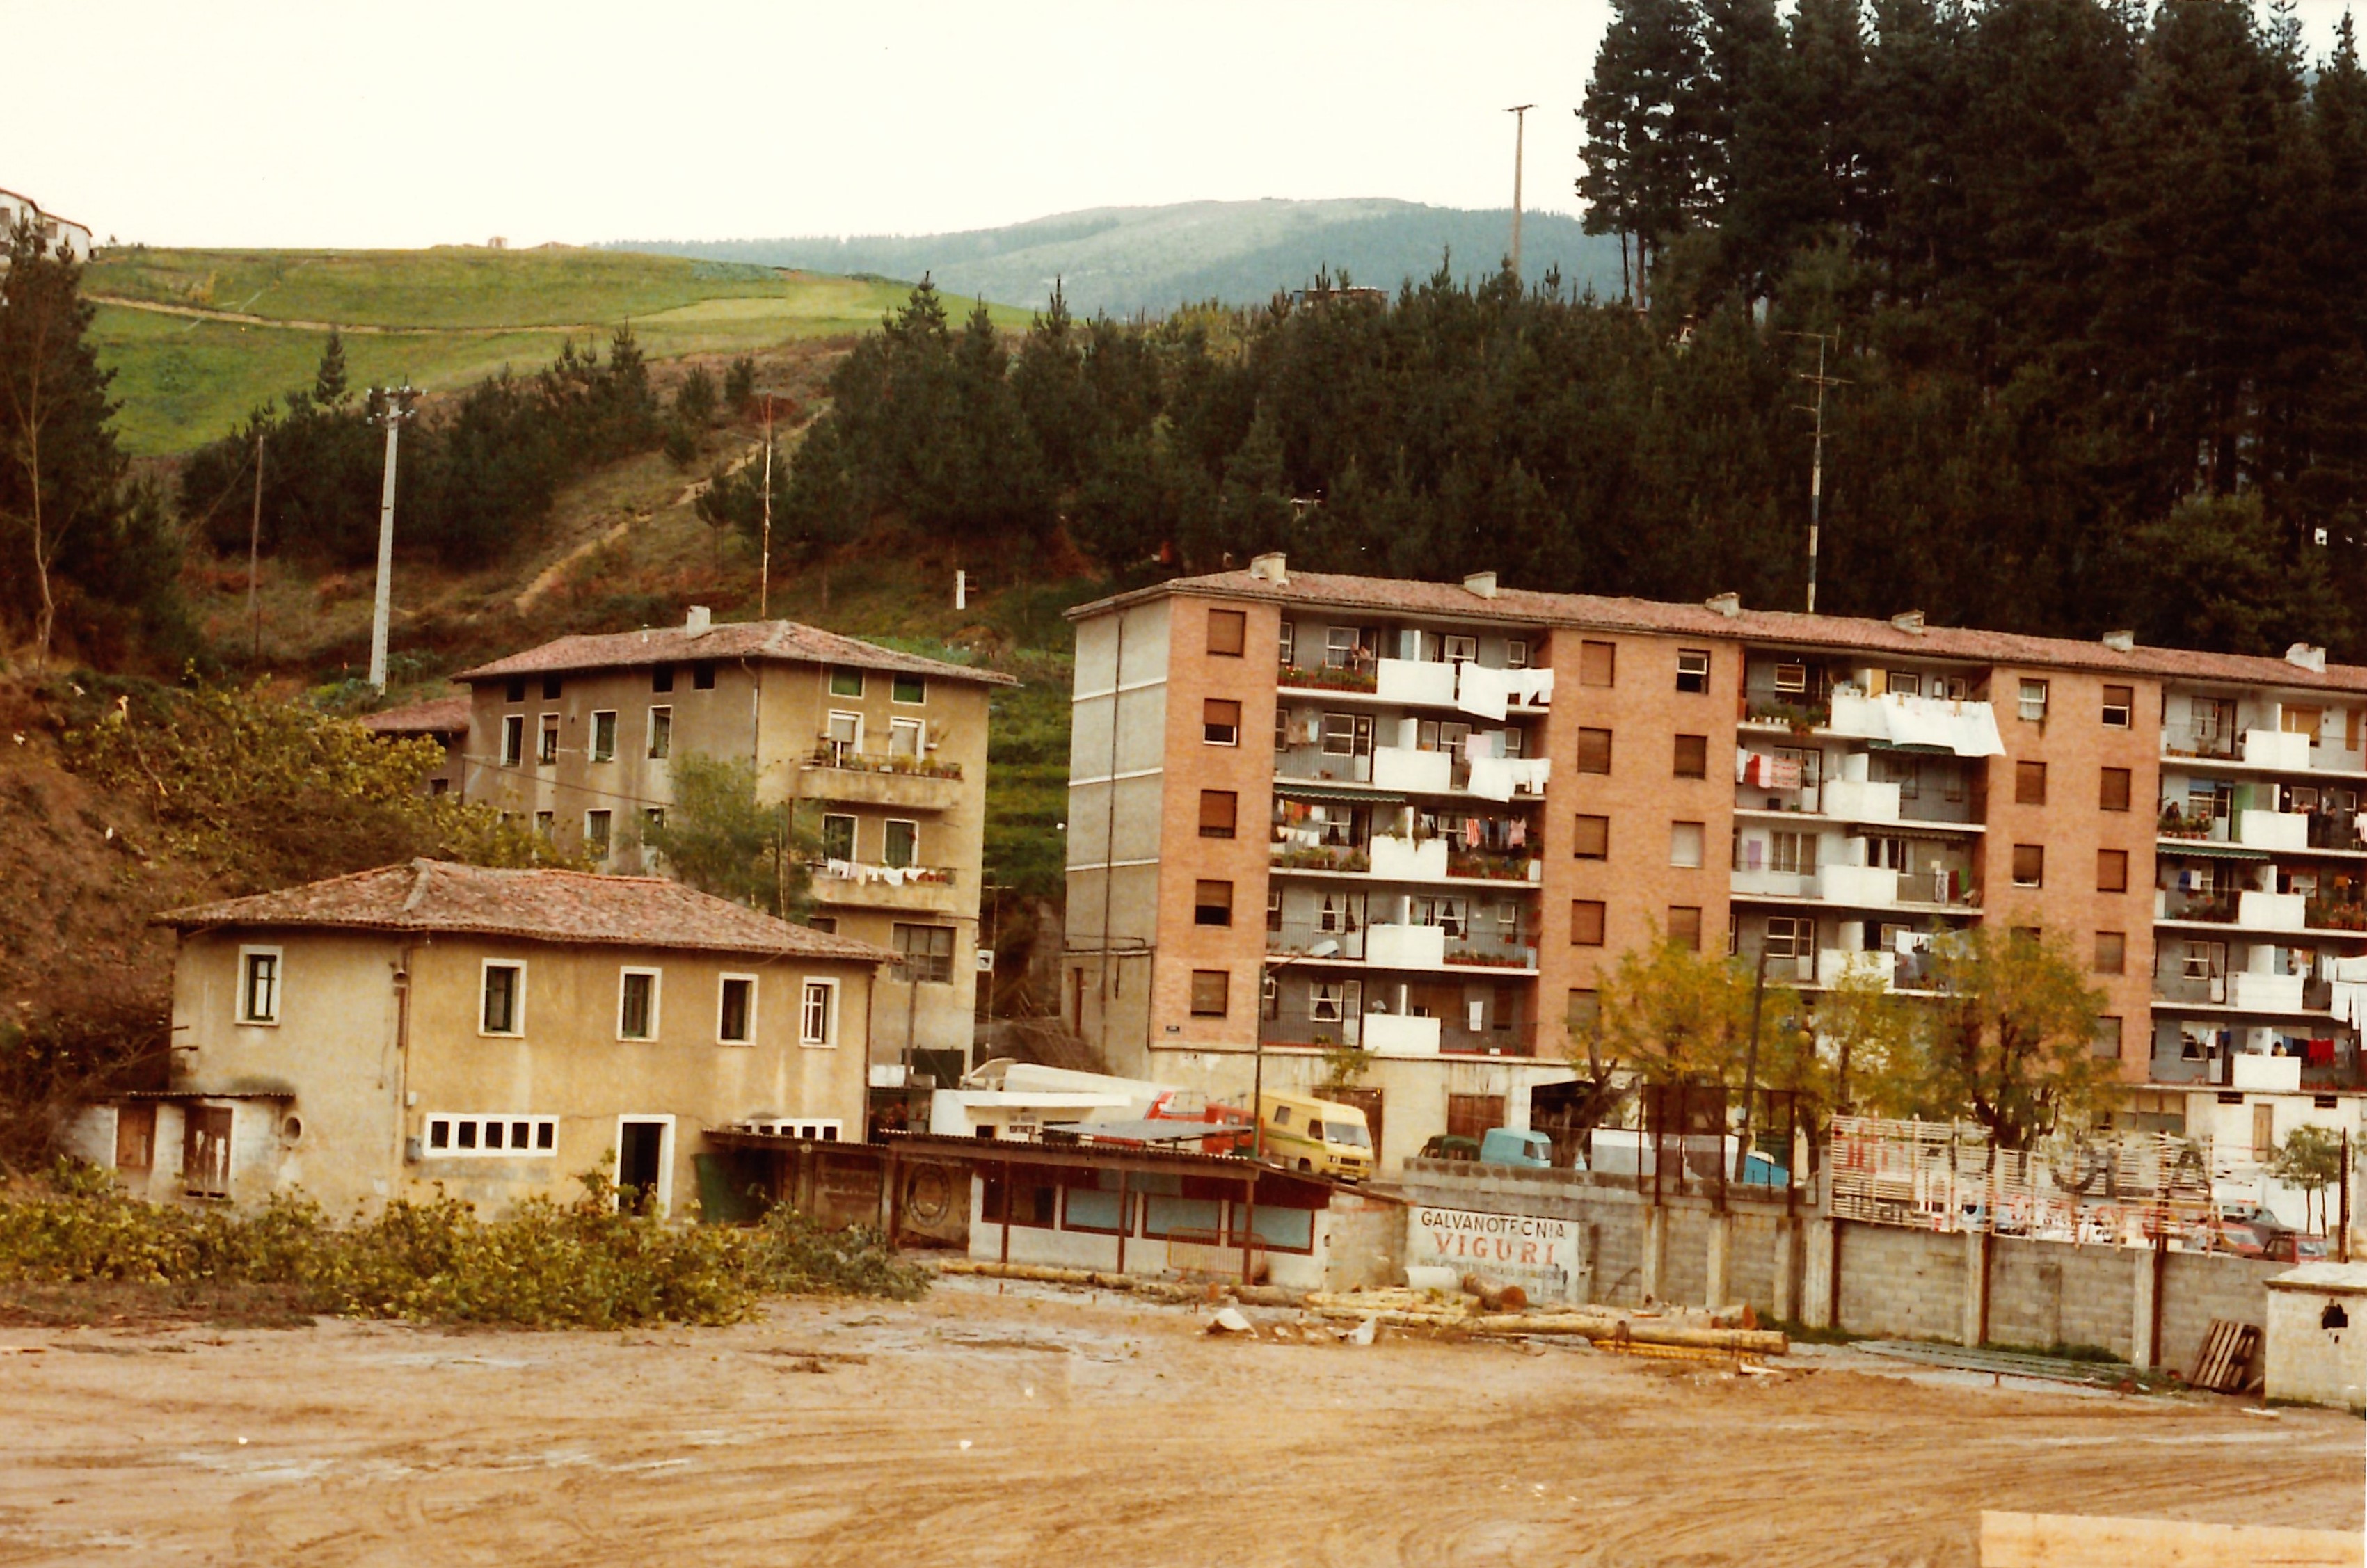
{"type": "Point", "coordinates": [2122, 1191]}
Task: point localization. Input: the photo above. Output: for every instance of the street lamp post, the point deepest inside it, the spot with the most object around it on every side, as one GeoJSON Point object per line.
{"type": "Point", "coordinates": [1323, 949]}
{"type": "Point", "coordinates": [391, 408]}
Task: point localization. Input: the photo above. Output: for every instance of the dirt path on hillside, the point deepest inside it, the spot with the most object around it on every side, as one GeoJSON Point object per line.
{"type": "Point", "coordinates": [1036, 1428]}
{"type": "Point", "coordinates": [291, 323]}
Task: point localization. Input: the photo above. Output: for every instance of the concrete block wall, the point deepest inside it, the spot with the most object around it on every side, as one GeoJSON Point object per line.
{"type": "Point", "coordinates": [1754, 1254]}
{"type": "Point", "coordinates": [1684, 1258]}
{"type": "Point", "coordinates": [1901, 1284]}
{"type": "Point", "coordinates": [2197, 1287]}
{"type": "Point", "coordinates": [2044, 1293]}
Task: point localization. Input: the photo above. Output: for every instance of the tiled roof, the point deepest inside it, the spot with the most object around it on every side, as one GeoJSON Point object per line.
{"type": "Point", "coordinates": [439, 897]}
{"type": "Point", "coordinates": [1519, 606]}
{"type": "Point", "coordinates": [782, 641]}
{"type": "Point", "coordinates": [434, 716]}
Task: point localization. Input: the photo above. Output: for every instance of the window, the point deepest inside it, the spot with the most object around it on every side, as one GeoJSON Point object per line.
{"type": "Point", "coordinates": [2030, 784]}
{"type": "Point", "coordinates": [927, 952]}
{"type": "Point", "coordinates": [1340, 647]}
{"type": "Point", "coordinates": [1684, 926]}
{"type": "Point", "coordinates": [662, 732]}
{"type": "Point", "coordinates": [846, 683]}
{"type": "Point", "coordinates": [1286, 644]}
{"type": "Point", "coordinates": [702, 676]}
{"type": "Point", "coordinates": [1586, 922]}
{"type": "Point", "coordinates": [2029, 865]}
{"type": "Point", "coordinates": [901, 843]}
{"type": "Point", "coordinates": [1517, 653]}
{"type": "Point", "coordinates": [845, 735]}
{"type": "Point", "coordinates": [1209, 987]}
{"type": "Point", "coordinates": [545, 822]}
{"type": "Point", "coordinates": [2302, 721]}
{"type": "Point", "coordinates": [1273, 908]}
{"type": "Point", "coordinates": [513, 739]}
{"type": "Point", "coordinates": [595, 833]}
{"type": "Point", "coordinates": [1220, 722]}
{"type": "Point", "coordinates": [550, 687]}
{"type": "Point", "coordinates": [258, 985]}
{"type": "Point", "coordinates": [1693, 756]}
{"type": "Point", "coordinates": [547, 750]}
{"type": "Point", "coordinates": [2112, 871]}
{"type": "Point", "coordinates": [2119, 701]}
{"type": "Point", "coordinates": [515, 692]}
{"type": "Point", "coordinates": [505, 999]}
{"type": "Point", "coordinates": [906, 737]}
{"type": "Point", "coordinates": [450, 1135]}
{"type": "Point", "coordinates": [1229, 632]}
{"type": "Point", "coordinates": [2112, 790]}
{"type": "Point", "coordinates": [1583, 1010]}
{"type": "Point", "coordinates": [1220, 809]}
{"type": "Point", "coordinates": [652, 816]}
{"type": "Point", "coordinates": [2034, 702]}
{"type": "Point", "coordinates": [661, 678]}
{"type": "Point", "coordinates": [1905, 683]}
{"type": "Point", "coordinates": [1792, 678]}
{"type": "Point", "coordinates": [1462, 649]}
{"type": "Point", "coordinates": [1592, 841]}
{"type": "Point", "coordinates": [817, 1013]}
{"type": "Point", "coordinates": [637, 1005]}
{"type": "Point", "coordinates": [2112, 952]}
{"type": "Point", "coordinates": [1470, 1116]}
{"type": "Point", "coordinates": [1594, 750]}
{"type": "Point", "coordinates": [908, 689]}
{"type": "Point", "coordinates": [1212, 903]}
{"type": "Point", "coordinates": [1598, 663]}
{"type": "Point", "coordinates": [1323, 1001]}
{"type": "Point", "coordinates": [1340, 734]}
{"type": "Point", "coordinates": [1794, 854]}
{"type": "Point", "coordinates": [2108, 1037]}
{"type": "Point", "coordinates": [604, 737]}
{"type": "Point", "coordinates": [1685, 845]}
{"type": "Point", "coordinates": [1790, 936]}
{"type": "Point", "coordinates": [735, 1011]}
{"type": "Point", "coordinates": [837, 837]}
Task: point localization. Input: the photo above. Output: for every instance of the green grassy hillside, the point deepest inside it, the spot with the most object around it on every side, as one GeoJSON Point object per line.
{"type": "Point", "coordinates": [197, 338]}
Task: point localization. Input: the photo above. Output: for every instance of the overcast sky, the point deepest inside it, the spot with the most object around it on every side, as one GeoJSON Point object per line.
{"type": "Point", "coordinates": [246, 122]}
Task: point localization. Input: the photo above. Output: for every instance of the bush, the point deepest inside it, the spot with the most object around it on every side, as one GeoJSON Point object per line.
{"type": "Point", "coordinates": [581, 1264]}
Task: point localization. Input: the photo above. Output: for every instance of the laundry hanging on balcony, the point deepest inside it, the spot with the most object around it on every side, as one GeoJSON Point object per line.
{"type": "Point", "coordinates": [1761, 770]}
{"type": "Point", "coordinates": [1489, 693]}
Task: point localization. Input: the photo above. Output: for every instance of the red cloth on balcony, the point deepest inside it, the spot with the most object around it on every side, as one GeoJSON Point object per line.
{"type": "Point", "coordinates": [2321, 1054]}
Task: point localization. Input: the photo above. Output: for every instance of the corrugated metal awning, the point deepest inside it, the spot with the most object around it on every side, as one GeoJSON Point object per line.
{"type": "Point", "coordinates": [1359, 794]}
{"type": "Point", "coordinates": [2204, 849]}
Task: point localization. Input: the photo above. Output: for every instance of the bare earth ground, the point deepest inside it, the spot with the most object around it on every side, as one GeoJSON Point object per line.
{"type": "Point", "coordinates": [1039, 1428]}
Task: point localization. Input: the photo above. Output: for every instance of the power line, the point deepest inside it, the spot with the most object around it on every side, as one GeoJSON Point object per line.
{"type": "Point", "coordinates": [1817, 467]}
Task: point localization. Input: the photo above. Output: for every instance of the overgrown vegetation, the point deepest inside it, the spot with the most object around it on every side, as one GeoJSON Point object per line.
{"type": "Point", "coordinates": [719, 837]}
{"type": "Point", "coordinates": [581, 1264]}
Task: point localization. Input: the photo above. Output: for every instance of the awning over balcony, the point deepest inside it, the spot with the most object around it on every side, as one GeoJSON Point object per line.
{"type": "Point", "coordinates": [1354, 795]}
{"type": "Point", "coordinates": [2203, 849]}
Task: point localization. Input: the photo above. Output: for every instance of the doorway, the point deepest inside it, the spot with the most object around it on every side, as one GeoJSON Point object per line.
{"type": "Point", "coordinates": [205, 1151]}
{"type": "Point", "coordinates": [644, 1170]}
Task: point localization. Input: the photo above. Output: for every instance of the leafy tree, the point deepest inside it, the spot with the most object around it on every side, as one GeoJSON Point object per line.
{"type": "Point", "coordinates": [1868, 1034]}
{"type": "Point", "coordinates": [2012, 1043]}
{"type": "Point", "coordinates": [1670, 1014]}
{"type": "Point", "coordinates": [719, 837]}
{"type": "Point", "coordinates": [2311, 1159]}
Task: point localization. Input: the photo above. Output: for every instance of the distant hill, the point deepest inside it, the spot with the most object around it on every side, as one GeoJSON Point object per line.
{"type": "Point", "coordinates": [1129, 259]}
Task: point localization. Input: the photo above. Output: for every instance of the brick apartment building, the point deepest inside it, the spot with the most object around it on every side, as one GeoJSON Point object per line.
{"type": "Point", "coordinates": [885, 752]}
{"type": "Point", "coordinates": [1421, 818]}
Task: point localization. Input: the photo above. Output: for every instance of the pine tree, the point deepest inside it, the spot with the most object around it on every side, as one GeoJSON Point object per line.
{"type": "Point", "coordinates": [329, 389]}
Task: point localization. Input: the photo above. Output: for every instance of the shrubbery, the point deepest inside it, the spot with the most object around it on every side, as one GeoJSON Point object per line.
{"type": "Point", "coordinates": [546, 1264]}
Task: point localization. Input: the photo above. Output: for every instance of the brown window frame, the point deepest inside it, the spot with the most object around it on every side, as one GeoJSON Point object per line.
{"type": "Point", "coordinates": [1684, 926]}
{"type": "Point", "coordinates": [1220, 813]}
{"type": "Point", "coordinates": [2112, 871]}
{"type": "Point", "coordinates": [1696, 764]}
{"type": "Point", "coordinates": [1598, 663]}
{"type": "Point", "coordinates": [1227, 627]}
{"type": "Point", "coordinates": [2030, 784]}
{"type": "Point", "coordinates": [2037, 861]}
{"type": "Point", "coordinates": [1585, 913]}
{"type": "Point", "coordinates": [1587, 737]}
{"type": "Point", "coordinates": [1212, 902]}
{"type": "Point", "coordinates": [1223, 979]}
{"type": "Point", "coordinates": [2112, 952]}
{"type": "Point", "coordinates": [1588, 827]}
{"type": "Point", "coordinates": [1212, 719]}
{"type": "Point", "coordinates": [2112, 799]}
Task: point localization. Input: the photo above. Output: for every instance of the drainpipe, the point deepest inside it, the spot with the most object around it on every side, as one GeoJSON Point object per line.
{"type": "Point", "coordinates": [402, 1051]}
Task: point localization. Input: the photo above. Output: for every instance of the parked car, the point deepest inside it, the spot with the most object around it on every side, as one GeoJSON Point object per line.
{"type": "Point", "coordinates": [1450, 1145]}
{"type": "Point", "coordinates": [1505, 1145]}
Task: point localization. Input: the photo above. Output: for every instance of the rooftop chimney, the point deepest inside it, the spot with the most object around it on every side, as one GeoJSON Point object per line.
{"type": "Point", "coordinates": [1910, 622]}
{"type": "Point", "coordinates": [2121, 642]}
{"type": "Point", "coordinates": [1483, 583]}
{"type": "Point", "coordinates": [1271, 567]}
{"type": "Point", "coordinates": [2306, 657]}
{"type": "Point", "coordinates": [698, 620]}
{"type": "Point", "coordinates": [1726, 605]}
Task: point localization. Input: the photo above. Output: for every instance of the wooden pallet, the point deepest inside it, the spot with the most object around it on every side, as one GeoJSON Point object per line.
{"type": "Point", "coordinates": [2226, 1356]}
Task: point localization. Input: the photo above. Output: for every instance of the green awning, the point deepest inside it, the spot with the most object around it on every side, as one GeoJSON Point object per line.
{"type": "Point", "coordinates": [1330, 789]}
{"type": "Point", "coordinates": [2204, 849]}
{"type": "Point", "coordinates": [1915, 748]}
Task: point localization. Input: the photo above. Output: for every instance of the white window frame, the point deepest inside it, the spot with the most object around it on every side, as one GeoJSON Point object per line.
{"type": "Point", "coordinates": [452, 1121]}
{"type": "Point", "coordinates": [604, 752]}
{"type": "Point", "coordinates": [885, 828]}
{"type": "Point", "coordinates": [517, 1002]}
{"type": "Point", "coordinates": [545, 823]}
{"type": "Point", "coordinates": [656, 986]}
{"type": "Point", "coordinates": [2030, 701]}
{"type": "Point", "coordinates": [828, 987]}
{"type": "Point", "coordinates": [1517, 653]}
{"type": "Point", "coordinates": [549, 727]}
{"type": "Point", "coordinates": [513, 739]}
{"type": "Point", "coordinates": [854, 746]}
{"type": "Point", "coordinates": [853, 834]}
{"type": "Point", "coordinates": [1906, 682]}
{"type": "Point", "coordinates": [664, 1123]}
{"type": "Point", "coordinates": [1791, 938]}
{"type": "Point", "coordinates": [2127, 711]}
{"type": "Point", "coordinates": [661, 726]}
{"type": "Point", "coordinates": [722, 987]}
{"type": "Point", "coordinates": [917, 728]}
{"type": "Point", "coordinates": [603, 841]}
{"type": "Point", "coordinates": [1461, 649]}
{"type": "Point", "coordinates": [1791, 680]}
{"type": "Point", "coordinates": [1343, 726]}
{"type": "Point", "coordinates": [1692, 663]}
{"type": "Point", "coordinates": [1287, 646]}
{"type": "Point", "coordinates": [1338, 654]}
{"type": "Point", "coordinates": [278, 984]}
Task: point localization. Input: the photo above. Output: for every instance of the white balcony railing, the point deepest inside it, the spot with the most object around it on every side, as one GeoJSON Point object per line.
{"type": "Point", "coordinates": [1392, 1034]}
{"type": "Point", "coordinates": [2272, 829]}
{"type": "Point", "coordinates": [1407, 861]}
{"type": "Point", "coordinates": [1415, 681]}
{"type": "Point", "coordinates": [1858, 884]}
{"type": "Point", "coordinates": [1403, 768]}
{"type": "Point", "coordinates": [1405, 947]}
{"type": "Point", "coordinates": [2273, 911]}
{"type": "Point", "coordinates": [1861, 800]}
{"type": "Point", "coordinates": [2269, 993]}
{"type": "Point", "coordinates": [2275, 749]}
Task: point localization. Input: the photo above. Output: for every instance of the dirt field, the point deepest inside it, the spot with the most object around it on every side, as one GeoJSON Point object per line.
{"type": "Point", "coordinates": [1039, 1428]}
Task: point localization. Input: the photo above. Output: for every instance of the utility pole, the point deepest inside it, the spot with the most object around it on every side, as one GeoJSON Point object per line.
{"type": "Point", "coordinates": [391, 408]}
{"type": "Point", "coordinates": [764, 558]}
{"type": "Point", "coordinates": [1817, 467]}
{"type": "Point", "coordinates": [1520, 113]}
{"type": "Point", "coordinates": [253, 549]}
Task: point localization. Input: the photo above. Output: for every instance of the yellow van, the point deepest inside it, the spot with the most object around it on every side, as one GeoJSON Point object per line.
{"type": "Point", "coordinates": [1317, 1136]}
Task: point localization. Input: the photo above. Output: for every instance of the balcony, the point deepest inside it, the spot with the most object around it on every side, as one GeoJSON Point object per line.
{"type": "Point", "coordinates": [1390, 1034]}
{"type": "Point", "coordinates": [857, 885]}
{"type": "Point", "coordinates": [2276, 749]}
{"type": "Point", "coordinates": [1360, 678]}
{"type": "Point", "coordinates": [1403, 860]}
{"type": "Point", "coordinates": [2264, 993]}
{"type": "Point", "coordinates": [1415, 682]}
{"type": "Point", "coordinates": [842, 773]}
{"type": "Point", "coordinates": [1414, 772]}
{"type": "Point", "coordinates": [1860, 800]}
{"type": "Point", "coordinates": [1405, 947]}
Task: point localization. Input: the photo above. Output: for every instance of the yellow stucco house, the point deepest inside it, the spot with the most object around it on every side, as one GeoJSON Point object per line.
{"type": "Point", "coordinates": [496, 1032]}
